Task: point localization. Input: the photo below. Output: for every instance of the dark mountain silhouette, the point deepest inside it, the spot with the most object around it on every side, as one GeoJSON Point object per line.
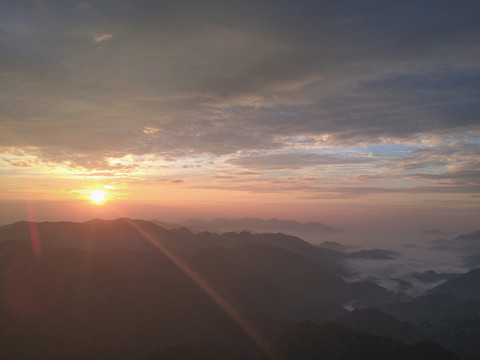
{"type": "Point", "coordinates": [309, 341]}
{"type": "Point", "coordinates": [374, 254]}
{"type": "Point", "coordinates": [93, 235]}
{"type": "Point", "coordinates": [375, 322]}
{"type": "Point", "coordinates": [126, 304]}
{"type": "Point", "coordinates": [123, 233]}
{"type": "Point", "coordinates": [127, 234]}
{"type": "Point", "coordinates": [460, 335]}
{"type": "Point", "coordinates": [369, 294]}
{"type": "Point", "coordinates": [72, 304]}
{"type": "Point", "coordinates": [272, 283]}
{"type": "Point", "coordinates": [130, 289]}
{"type": "Point", "coordinates": [327, 258]}
{"type": "Point", "coordinates": [182, 351]}
{"type": "Point", "coordinates": [463, 287]}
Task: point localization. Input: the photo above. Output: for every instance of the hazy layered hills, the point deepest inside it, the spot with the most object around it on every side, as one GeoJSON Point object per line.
{"type": "Point", "coordinates": [254, 225]}
{"type": "Point", "coordinates": [130, 289]}
{"type": "Point", "coordinates": [458, 334]}
{"type": "Point", "coordinates": [252, 275]}
{"type": "Point", "coordinates": [123, 233]}
{"type": "Point", "coordinates": [463, 287]}
{"type": "Point", "coordinates": [136, 300]}
{"type": "Point", "coordinates": [123, 304]}
{"type": "Point", "coordinates": [465, 244]}
{"type": "Point", "coordinates": [449, 315]}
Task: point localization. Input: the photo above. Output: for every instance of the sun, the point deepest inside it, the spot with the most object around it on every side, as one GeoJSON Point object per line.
{"type": "Point", "coordinates": [97, 196]}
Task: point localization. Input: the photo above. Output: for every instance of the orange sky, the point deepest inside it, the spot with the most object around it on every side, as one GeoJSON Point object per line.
{"type": "Point", "coordinates": [187, 110]}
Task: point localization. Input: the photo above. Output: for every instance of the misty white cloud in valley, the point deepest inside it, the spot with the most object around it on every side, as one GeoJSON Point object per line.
{"type": "Point", "coordinates": [419, 255]}
{"type": "Point", "coordinates": [98, 38]}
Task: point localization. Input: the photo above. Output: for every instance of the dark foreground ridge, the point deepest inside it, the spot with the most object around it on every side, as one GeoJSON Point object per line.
{"type": "Point", "coordinates": [309, 341]}
{"type": "Point", "coordinates": [91, 300]}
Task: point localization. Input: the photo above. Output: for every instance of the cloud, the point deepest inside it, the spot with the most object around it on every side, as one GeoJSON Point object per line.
{"type": "Point", "coordinates": [330, 190]}
{"type": "Point", "coordinates": [98, 38]}
{"type": "Point", "coordinates": [99, 174]}
{"type": "Point", "coordinates": [150, 130]}
{"type": "Point", "coordinates": [297, 87]}
{"type": "Point", "coordinates": [155, 181]}
{"type": "Point", "coordinates": [18, 163]}
{"type": "Point", "coordinates": [247, 173]}
{"type": "Point", "coordinates": [464, 176]}
{"type": "Point", "coordinates": [415, 164]}
{"type": "Point", "coordinates": [296, 161]}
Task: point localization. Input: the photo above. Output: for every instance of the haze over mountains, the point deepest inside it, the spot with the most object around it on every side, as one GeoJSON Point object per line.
{"type": "Point", "coordinates": [310, 230]}
{"type": "Point", "coordinates": [123, 233]}
{"type": "Point", "coordinates": [131, 289]}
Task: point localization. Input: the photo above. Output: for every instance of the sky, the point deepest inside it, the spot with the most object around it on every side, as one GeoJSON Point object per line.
{"type": "Point", "coordinates": [351, 113]}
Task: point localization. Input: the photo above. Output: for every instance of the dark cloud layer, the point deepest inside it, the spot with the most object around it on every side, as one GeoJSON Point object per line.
{"type": "Point", "coordinates": [296, 161]}
{"type": "Point", "coordinates": [82, 82]}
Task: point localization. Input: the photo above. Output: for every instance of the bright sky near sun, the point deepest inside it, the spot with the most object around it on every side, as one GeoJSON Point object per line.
{"type": "Point", "coordinates": [295, 109]}
{"type": "Point", "coordinates": [97, 196]}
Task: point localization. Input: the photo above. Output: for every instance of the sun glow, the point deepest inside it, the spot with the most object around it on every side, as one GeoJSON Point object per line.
{"type": "Point", "coordinates": [97, 196]}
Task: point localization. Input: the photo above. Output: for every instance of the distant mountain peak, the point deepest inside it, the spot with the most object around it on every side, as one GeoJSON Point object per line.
{"type": "Point", "coordinates": [463, 287]}
{"type": "Point", "coordinates": [310, 230]}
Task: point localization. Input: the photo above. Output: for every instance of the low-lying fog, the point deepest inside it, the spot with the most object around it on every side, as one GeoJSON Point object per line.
{"type": "Point", "coordinates": [444, 253]}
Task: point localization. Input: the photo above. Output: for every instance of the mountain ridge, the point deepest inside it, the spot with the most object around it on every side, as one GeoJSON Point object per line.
{"type": "Point", "coordinates": [135, 234]}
